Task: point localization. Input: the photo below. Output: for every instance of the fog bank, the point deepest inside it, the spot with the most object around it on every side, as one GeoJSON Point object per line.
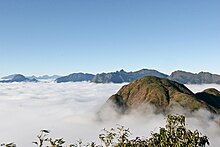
{"type": "Point", "coordinates": [69, 111]}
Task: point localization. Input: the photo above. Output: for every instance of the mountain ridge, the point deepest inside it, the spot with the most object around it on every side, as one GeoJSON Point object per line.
{"type": "Point", "coordinates": [75, 77]}
{"type": "Point", "coordinates": [194, 78]}
{"type": "Point", "coordinates": [122, 76]}
{"type": "Point", "coordinates": [179, 76]}
{"type": "Point", "coordinates": [17, 78]}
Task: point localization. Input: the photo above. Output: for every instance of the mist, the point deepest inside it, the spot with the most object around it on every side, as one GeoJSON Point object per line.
{"type": "Point", "coordinates": [69, 110]}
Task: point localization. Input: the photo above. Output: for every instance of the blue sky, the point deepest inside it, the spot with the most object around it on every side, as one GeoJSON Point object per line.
{"type": "Point", "coordinates": [60, 37]}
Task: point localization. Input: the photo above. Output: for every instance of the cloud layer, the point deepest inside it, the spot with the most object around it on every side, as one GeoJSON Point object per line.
{"type": "Point", "coordinates": [69, 111]}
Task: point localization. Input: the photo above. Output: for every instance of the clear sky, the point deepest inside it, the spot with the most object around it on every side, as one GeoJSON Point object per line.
{"type": "Point", "coordinates": [64, 36]}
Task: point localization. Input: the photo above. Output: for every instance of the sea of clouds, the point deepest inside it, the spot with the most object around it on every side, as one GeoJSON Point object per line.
{"type": "Point", "coordinates": [69, 110]}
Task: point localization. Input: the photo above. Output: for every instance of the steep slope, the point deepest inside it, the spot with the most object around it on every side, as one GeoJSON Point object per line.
{"type": "Point", "coordinates": [162, 93]}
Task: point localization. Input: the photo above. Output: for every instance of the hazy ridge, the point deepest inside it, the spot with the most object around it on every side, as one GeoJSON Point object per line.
{"type": "Point", "coordinates": [122, 76]}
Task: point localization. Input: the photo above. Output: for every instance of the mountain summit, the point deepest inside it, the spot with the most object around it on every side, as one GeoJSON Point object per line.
{"type": "Point", "coordinates": [163, 94]}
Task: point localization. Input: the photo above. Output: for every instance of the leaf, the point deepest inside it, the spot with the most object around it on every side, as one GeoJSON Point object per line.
{"type": "Point", "coordinates": [35, 143]}
{"type": "Point", "coordinates": [45, 131]}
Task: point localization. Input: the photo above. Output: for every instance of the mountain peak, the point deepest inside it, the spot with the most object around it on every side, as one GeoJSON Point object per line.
{"type": "Point", "coordinates": [210, 96]}
{"type": "Point", "coordinates": [122, 70]}
{"type": "Point", "coordinates": [212, 91]}
{"type": "Point", "coordinates": [162, 93]}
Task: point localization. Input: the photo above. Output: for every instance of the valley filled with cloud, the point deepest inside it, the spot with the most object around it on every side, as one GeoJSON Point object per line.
{"type": "Point", "coordinates": [69, 110]}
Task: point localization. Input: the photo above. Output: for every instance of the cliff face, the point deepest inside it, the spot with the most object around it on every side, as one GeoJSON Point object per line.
{"type": "Point", "coordinates": [160, 92]}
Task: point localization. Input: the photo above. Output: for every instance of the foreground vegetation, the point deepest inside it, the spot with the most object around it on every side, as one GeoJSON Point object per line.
{"type": "Point", "coordinates": [174, 134]}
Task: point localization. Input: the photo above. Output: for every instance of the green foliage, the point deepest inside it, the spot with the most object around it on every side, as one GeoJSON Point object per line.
{"type": "Point", "coordinates": [174, 134]}
{"type": "Point", "coordinates": [42, 139]}
{"type": "Point", "coordinates": [115, 137]}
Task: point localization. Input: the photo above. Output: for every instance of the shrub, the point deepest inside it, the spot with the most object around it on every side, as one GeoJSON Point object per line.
{"type": "Point", "coordinates": [174, 134]}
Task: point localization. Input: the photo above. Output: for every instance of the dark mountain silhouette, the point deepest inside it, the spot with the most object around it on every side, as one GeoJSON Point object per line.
{"type": "Point", "coordinates": [164, 95]}
{"type": "Point", "coordinates": [18, 78]}
{"type": "Point", "coordinates": [211, 96]}
{"type": "Point", "coordinates": [75, 77]}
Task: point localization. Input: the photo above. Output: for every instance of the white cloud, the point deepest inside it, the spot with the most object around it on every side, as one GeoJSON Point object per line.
{"type": "Point", "coordinates": [69, 111]}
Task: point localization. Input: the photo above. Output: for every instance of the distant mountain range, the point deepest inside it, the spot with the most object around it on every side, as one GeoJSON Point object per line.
{"type": "Point", "coordinates": [45, 77]}
{"type": "Point", "coordinates": [22, 78]}
{"type": "Point", "coordinates": [75, 77]}
{"type": "Point", "coordinates": [32, 77]}
{"type": "Point", "coordinates": [192, 78]}
{"type": "Point", "coordinates": [122, 76]}
{"type": "Point", "coordinates": [112, 77]}
{"type": "Point", "coordinates": [17, 78]}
